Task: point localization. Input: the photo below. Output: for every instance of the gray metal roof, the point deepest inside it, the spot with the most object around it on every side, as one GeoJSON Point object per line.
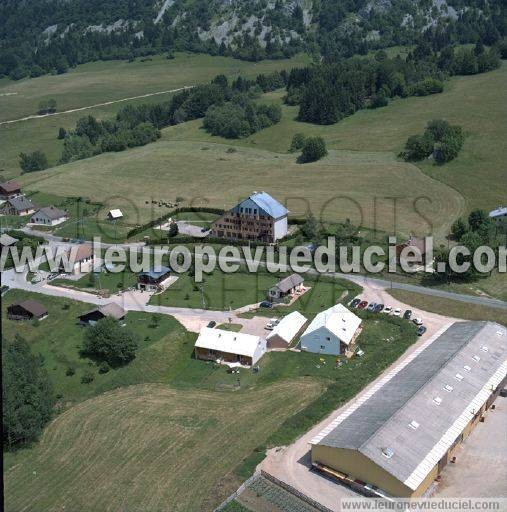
{"type": "Point", "coordinates": [269, 204]}
{"type": "Point", "coordinates": [383, 421]}
{"type": "Point", "coordinates": [52, 212]}
{"type": "Point", "coordinates": [289, 282]}
{"type": "Point", "coordinates": [21, 203]}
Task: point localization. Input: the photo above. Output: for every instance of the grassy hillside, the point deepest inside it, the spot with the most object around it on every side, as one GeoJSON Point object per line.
{"type": "Point", "coordinates": [346, 184]}
{"type": "Point", "coordinates": [149, 447]}
{"type": "Point", "coordinates": [100, 82]}
{"type": "Point", "coordinates": [478, 103]}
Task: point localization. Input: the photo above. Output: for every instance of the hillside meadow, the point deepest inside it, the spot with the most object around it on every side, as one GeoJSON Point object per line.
{"type": "Point", "coordinates": [371, 188]}
{"type": "Point", "coordinates": [100, 82]}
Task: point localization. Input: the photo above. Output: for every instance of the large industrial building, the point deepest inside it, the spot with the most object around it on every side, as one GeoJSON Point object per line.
{"type": "Point", "coordinates": [395, 439]}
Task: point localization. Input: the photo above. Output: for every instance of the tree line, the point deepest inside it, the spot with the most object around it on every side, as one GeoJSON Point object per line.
{"type": "Point", "coordinates": [50, 36]}
{"type": "Point", "coordinates": [328, 92]}
{"type": "Point", "coordinates": [138, 125]}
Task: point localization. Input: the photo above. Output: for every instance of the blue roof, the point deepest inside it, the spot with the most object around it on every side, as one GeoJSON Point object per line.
{"type": "Point", "coordinates": [155, 274]}
{"type": "Point", "coordinates": [269, 205]}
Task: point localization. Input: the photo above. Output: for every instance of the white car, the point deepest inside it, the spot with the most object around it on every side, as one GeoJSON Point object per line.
{"type": "Point", "coordinates": [387, 310]}
{"type": "Point", "coordinates": [272, 323]}
{"type": "Point", "coordinates": [397, 312]}
{"type": "Point", "coordinates": [417, 321]}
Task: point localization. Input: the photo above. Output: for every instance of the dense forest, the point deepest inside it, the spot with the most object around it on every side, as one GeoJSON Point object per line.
{"type": "Point", "coordinates": [50, 36]}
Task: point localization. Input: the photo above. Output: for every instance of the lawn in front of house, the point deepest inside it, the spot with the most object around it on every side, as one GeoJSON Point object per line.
{"type": "Point", "coordinates": [58, 339]}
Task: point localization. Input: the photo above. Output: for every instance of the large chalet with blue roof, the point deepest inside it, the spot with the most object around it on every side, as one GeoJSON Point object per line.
{"type": "Point", "coordinates": [259, 218]}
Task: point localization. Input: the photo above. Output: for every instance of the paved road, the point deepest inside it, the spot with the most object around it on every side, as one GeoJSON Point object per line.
{"type": "Point", "coordinates": [360, 279]}
{"type": "Point", "coordinates": [38, 116]}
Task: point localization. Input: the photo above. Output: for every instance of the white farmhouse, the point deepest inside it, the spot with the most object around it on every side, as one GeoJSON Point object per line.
{"type": "Point", "coordinates": [48, 216]}
{"type": "Point", "coordinates": [331, 331]}
{"type": "Point", "coordinates": [229, 347]}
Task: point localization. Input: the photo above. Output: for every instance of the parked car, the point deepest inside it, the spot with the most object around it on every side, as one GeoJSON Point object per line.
{"type": "Point", "coordinates": [417, 321]}
{"type": "Point", "coordinates": [52, 276]}
{"type": "Point", "coordinates": [397, 312]}
{"type": "Point", "coordinates": [362, 304]}
{"type": "Point", "coordinates": [266, 304]}
{"type": "Point", "coordinates": [379, 308]}
{"type": "Point", "coordinates": [408, 314]}
{"type": "Point", "coordinates": [273, 322]}
{"type": "Point", "coordinates": [387, 310]}
{"type": "Point", "coordinates": [211, 324]}
{"type": "Point", "coordinates": [421, 330]}
{"type": "Point", "coordinates": [371, 307]}
{"type": "Point", "coordinates": [354, 303]}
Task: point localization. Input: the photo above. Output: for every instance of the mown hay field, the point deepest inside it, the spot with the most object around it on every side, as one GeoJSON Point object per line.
{"type": "Point", "coordinates": [148, 447]}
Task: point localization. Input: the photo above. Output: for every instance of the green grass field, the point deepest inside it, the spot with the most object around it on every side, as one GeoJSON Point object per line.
{"type": "Point", "coordinates": [346, 184]}
{"type": "Point", "coordinates": [100, 82]}
{"type": "Point", "coordinates": [149, 447]}
{"type": "Point", "coordinates": [144, 414]}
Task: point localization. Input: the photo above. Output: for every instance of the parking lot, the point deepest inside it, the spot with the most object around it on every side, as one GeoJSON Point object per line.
{"type": "Point", "coordinates": [481, 466]}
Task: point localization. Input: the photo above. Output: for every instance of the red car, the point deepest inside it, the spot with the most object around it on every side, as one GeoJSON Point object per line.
{"type": "Point", "coordinates": [362, 304]}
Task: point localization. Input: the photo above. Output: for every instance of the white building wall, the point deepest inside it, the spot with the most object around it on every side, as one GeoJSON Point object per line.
{"type": "Point", "coordinates": [321, 341]}
{"type": "Point", "coordinates": [280, 228]}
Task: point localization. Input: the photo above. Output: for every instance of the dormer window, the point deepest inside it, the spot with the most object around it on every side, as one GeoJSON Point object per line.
{"type": "Point", "coordinates": [413, 425]}
{"type": "Point", "coordinates": [448, 388]}
{"type": "Point", "coordinates": [459, 377]}
{"type": "Point", "coordinates": [485, 349]}
{"type": "Point", "coordinates": [467, 368]}
{"type": "Point", "coordinates": [476, 358]}
{"type": "Point", "coordinates": [437, 400]}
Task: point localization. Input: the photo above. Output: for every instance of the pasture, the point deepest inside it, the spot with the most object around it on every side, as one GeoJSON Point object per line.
{"type": "Point", "coordinates": [373, 189]}
{"type": "Point", "coordinates": [477, 103]}
{"type": "Point", "coordinates": [100, 82]}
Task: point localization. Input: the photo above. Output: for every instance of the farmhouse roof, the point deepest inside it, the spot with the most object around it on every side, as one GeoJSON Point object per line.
{"type": "Point", "coordinates": [228, 341]}
{"type": "Point", "coordinates": [270, 205]}
{"type": "Point", "coordinates": [21, 203]}
{"type": "Point", "coordinates": [410, 418]}
{"type": "Point", "coordinates": [115, 213]}
{"type": "Point", "coordinates": [289, 282]}
{"type": "Point", "coordinates": [10, 186]}
{"type": "Point", "coordinates": [32, 306]}
{"type": "Point", "coordinates": [501, 211]}
{"type": "Point", "coordinates": [83, 253]}
{"type": "Point", "coordinates": [288, 327]}
{"type": "Point", "coordinates": [156, 273]}
{"type": "Point", "coordinates": [338, 320]}
{"type": "Point", "coordinates": [113, 310]}
{"type": "Point", "coordinates": [52, 212]}
{"type": "Point", "coordinates": [7, 240]}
